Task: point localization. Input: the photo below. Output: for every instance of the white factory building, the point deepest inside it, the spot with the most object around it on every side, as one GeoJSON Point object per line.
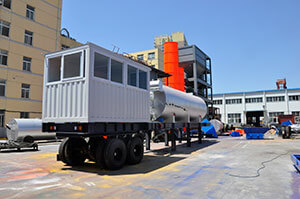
{"type": "Point", "coordinates": [257, 107]}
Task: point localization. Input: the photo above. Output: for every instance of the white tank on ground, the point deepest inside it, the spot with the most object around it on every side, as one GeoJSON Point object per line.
{"type": "Point", "coordinates": [31, 129]}
{"type": "Point", "coordinates": [167, 102]}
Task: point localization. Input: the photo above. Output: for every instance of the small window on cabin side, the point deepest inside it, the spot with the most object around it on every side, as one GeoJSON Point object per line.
{"type": "Point", "coordinates": [101, 66]}
{"type": "Point", "coordinates": [142, 79]}
{"type": "Point", "coordinates": [116, 71]}
{"type": "Point", "coordinates": [54, 65]}
{"type": "Point", "coordinates": [132, 76]}
{"type": "Point", "coordinates": [72, 65]}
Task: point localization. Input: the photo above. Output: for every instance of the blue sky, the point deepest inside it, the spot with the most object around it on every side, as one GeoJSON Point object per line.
{"type": "Point", "coordinates": [251, 42]}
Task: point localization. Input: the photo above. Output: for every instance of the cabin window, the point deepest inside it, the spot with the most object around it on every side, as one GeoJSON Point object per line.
{"type": "Point", "coordinates": [116, 71]}
{"type": "Point", "coordinates": [101, 66]}
{"type": "Point", "coordinates": [132, 76]}
{"type": "Point", "coordinates": [72, 65]}
{"type": "Point", "coordinates": [142, 79]}
{"type": "Point", "coordinates": [54, 65]}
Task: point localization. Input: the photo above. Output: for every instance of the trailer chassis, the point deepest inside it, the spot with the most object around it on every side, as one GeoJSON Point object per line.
{"type": "Point", "coordinates": [111, 145]}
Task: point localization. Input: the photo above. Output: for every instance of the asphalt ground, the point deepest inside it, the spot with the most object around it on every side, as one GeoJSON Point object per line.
{"type": "Point", "coordinates": [227, 167]}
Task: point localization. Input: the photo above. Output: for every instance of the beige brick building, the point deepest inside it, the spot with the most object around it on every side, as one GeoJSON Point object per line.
{"type": "Point", "coordinates": [155, 57]}
{"type": "Point", "coordinates": [28, 30]}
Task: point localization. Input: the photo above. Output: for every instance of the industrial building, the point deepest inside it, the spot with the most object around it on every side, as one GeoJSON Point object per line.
{"type": "Point", "coordinates": [196, 64]}
{"type": "Point", "coordinates": [257, 107]}
{"type": "Point", "coordinates": [28, 30]}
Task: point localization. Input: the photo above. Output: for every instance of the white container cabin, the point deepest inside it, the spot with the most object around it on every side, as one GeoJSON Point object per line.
{"type": "Point", "coordinates": [89, 84]}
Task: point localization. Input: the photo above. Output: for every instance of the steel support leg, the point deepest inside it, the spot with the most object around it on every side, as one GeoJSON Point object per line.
{"type": "Point", "coordinates": [173, 140]}
{"type": "Point", "coordinates": [180, 135]}
{"type": "Point", "coordinates": [188, 135]}
{"type": "Point", "coordinates": [148, 134]}
{"type": "Point", "coordinates": [199, 134]}
{"type": "Point", "coordinates": [166, 138]}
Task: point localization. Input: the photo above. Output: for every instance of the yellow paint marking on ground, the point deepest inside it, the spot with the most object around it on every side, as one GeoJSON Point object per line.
{"type": "Point", "coordinates": [44, 155]}
{"type": "Point", "coordinates": [76, 188]}
{"type": "Point", "coordinates": [262, 142]}
{"type": "Point", "coordinates": [58, 170]}
{"type": "Point", "coordinates": [105, 186]}
{"type": "Point", "coordinates": [78, 194]}
{"type": "Point", "coordinates": [84, 176]}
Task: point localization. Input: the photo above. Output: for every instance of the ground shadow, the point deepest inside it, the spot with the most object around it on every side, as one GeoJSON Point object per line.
{"type": "Point", "coordinates": [157, 159]}
{"type": "Point", "coordinates": [18, 151]}
{"type": "Point", "coordinates": [181, 148]}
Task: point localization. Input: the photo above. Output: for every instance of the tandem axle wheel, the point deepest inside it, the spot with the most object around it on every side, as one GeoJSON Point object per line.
{"type": "Point", "coordinates": [110, 153]}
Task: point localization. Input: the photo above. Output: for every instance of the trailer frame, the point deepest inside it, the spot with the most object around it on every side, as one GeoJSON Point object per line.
{"type": "Point", "coordinates": [107, 131]}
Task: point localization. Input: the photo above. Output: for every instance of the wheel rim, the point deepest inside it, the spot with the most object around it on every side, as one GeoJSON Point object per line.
{"type": "Point", "coordinates": [137, 150]}
{"type": "Point", "coordinates": [118, 154]}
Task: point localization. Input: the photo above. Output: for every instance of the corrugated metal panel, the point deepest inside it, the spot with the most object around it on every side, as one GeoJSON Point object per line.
{"type": "Point", "coordinates": [117, 103]}
{"type": "Point", "coordinates": [66, 101]}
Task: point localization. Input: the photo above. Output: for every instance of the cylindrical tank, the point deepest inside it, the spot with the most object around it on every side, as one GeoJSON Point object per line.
{"type": "Point", "coordinates": [218, 125]}
{"type": "Point", "coordinates": [171, 66]}
{"type": "Point", "coordinates": [167, 102]}
{"type": "Point", "coordinates": [18, 129]}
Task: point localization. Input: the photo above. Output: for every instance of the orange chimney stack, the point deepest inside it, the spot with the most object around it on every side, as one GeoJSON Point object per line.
{"type": "Point", "coordinates": [171, 65]}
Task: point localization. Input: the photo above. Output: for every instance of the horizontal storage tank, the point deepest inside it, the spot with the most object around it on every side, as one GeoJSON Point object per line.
{"type": "Point", "coordinates": [167, 102]}
{"type": "Point", "coordinates": [19, 129]}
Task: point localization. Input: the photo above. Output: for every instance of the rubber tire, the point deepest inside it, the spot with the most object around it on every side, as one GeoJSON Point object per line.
{"type": "Point", "coordinates": [28, 139]}
{"type": "Point", "coordinates": [61, 151]}
{"type": "Point", "coordinates": [75, 151]}
{"type": "Point", "coordinates": [100, 161]}
{"type": "Point", "coordinates": [135, 150]}
{"type": "Point", "coordinates": [112, 160]}
{"type": "Point", "coordinates": [289, 133]}
{"type": "Point", "coordinates": [283, 132]}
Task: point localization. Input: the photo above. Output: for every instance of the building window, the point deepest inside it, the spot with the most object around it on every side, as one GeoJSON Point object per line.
{"type": "Point", "coordinates": [30, 12]}
{"type": "Point", "coordinates": [63, 47]}
{"type": "Point", "coordinates": [2, 87]}
{"type": "Point", "coordinates": [28, 37]}
{"type": "Point", "coordinates": [2, 117]}
{"type": "Point", "coordinates": [24, 115]}
{"type": "Point", "coordinates": [116, 71]}
{"type": "Point", "coordinates": [25, 91]}
{"type": "Point", "coordinates": [101, 66]}
{"type": "Point", "coordinates": [142, 79]}
{"type": "Point", "coordinates": [5, 3]}
{"type": "Point", "coordinates": [140, 57]}
{"type": "Point", "coordinates": [3, 57]}
{"type": "Point", "coordinates": [132, 76]}
{"type": "Point", "coordinates": [151, 56]}
{"type": "Point", "coordinates": [296, 113]}
{"type": "Point", "coordinates": [275, 99]}
{"type": "Point", "coordinates": [254, 100]}
{"type": "Point", "coordinates": [27, 64]}
{"type": "Point", "coordinates": [294, 98]}
{"type": "Point", "coordinates": [233, 101]}
{"type": "Point", "coordinates": [217, 101]}
{"type": "Point", "coordinates": [273, 116]}
{"type": "Point", "coordinates": [4, 28]}
{"type": "Point", "coordinates": [234, 118]}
